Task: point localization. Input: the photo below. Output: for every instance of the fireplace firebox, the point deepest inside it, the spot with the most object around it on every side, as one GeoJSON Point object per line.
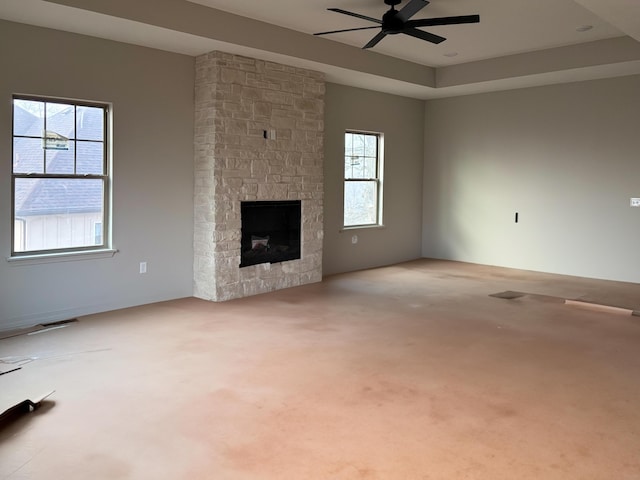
{"type": "Point", "coordinates": [270, 231]}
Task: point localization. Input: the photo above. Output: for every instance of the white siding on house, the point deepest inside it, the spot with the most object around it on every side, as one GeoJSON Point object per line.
{"type": "Point", "coordinates": [47, 232]}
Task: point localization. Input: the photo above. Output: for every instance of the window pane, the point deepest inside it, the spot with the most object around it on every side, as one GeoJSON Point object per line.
{"type": "Point", "coordinates": [97, 229]}
{"type": "Point", "coordinates": [53, 213]}
{"type": "Point", "coordinates": [60, 161]}
{"type": "Point", "coordinates": [348, 144]}
{"type": "Point", "coordinates": [371, 146]}
{"type": "Point", "coordinates": [28, 155]}
{"type": "Point", "coordinates": [357, 147]}
{"type": "Point", "coordinates": [354, 167]}
{"type": "Point", "coordinates": [28, 118]}
{"type": "Point", "coordinates": [360, 203]}
{"type": "Point", "coordinates": [369, 167]}
{"type": "Point", "coordinates": [361, 156]}
{"type": "Point", "coordinates": [90, 123]}
{"type": "Point", "coordinates": [90, 158]}
{"type": "Point", "coordinates": [61, 119]}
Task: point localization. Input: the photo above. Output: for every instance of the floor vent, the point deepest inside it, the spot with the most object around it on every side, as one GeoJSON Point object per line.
{"type": "Point", "coordinates": [508, 295]}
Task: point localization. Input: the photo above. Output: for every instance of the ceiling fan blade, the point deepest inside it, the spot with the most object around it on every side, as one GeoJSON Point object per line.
{"type": "Point", "coordinates": [430, 22]}
{"type": "Point", "coordinates": [429, 37]}
{"type": "Point", "coordinates": [346, 30]}
{"type": "Point", "coordinates": [357, 15]}
{"type": "Point", "coordinates": [411, 8]}
{"type": "Point", "coordinates": [374, 41]}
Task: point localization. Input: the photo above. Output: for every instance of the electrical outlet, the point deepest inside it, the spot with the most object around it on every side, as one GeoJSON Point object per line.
{"type": "Point", "coordinates": [143, 267]}
{"type": "Point", "coordinates": [354, 239]}
{"type": "Point", "coordinates": [635, 202]}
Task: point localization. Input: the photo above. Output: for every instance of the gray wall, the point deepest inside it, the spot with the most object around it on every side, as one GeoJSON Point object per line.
{"type": "Point", "coordinates": [566, 157]}
{"type": "Point", "coordinates": [152, 96]}
{"type": "Point", "coordinates": [401, 121]}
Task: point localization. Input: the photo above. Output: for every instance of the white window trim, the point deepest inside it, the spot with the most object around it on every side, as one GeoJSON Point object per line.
{"type": "Point", "coordinates": [105, 250]}
{"type": "Point", "coordinates": [380, 183]}
{"type": "Point", "coordinates": [62, 256]}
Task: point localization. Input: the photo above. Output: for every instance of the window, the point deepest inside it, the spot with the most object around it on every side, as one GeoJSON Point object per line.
{"type": "Point", "coordinates": [59, 176]}
{"type": "Point", "coordinates": [362, 179]}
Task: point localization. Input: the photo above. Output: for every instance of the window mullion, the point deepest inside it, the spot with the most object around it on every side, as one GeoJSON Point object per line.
{"type": "Point", "coordinates": [75, 138]}
{"type": "Point", "coordinates": [44, 135]}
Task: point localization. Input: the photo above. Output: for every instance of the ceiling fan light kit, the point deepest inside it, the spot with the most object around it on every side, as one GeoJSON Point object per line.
{"type": "Point", "coordinates": [399, 21]}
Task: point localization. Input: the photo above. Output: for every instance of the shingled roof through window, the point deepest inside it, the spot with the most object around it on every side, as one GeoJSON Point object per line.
{"type": "Point", "coordinates": [50, 196]}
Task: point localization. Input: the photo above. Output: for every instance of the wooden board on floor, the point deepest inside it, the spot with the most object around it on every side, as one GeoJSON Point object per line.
{"type": "Point", "coordinates": [25, 404]}
{"type": "Point", "coordinates": [20, 391]}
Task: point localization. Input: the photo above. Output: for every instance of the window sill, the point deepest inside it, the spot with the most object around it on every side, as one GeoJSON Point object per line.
{"type": "Point", "coordinates": [360, 227]}
{"type": "Point", "coordinates": [62, 257]}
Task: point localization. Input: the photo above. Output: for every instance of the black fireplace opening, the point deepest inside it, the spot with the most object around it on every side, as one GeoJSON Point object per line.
{"type": "Point", "coordinates": [270, 231]}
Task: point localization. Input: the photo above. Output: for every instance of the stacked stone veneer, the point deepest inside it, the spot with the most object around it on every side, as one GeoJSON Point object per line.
{"type": "Point", "coordinates": [237, 99]}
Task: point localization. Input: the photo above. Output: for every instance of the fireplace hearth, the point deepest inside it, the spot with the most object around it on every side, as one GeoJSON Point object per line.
{"type": "Point", "coordinates": [270, 231]}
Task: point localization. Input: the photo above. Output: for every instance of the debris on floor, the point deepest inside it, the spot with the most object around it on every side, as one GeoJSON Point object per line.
{"type": "Point", "coordinates": [43, 327]}
{"type": "Point", "coordinates": [598, 307]}
{"type": "Point", "coordinates": [8, 368]}
{"type": "Point", "coordinates": [23, 406]}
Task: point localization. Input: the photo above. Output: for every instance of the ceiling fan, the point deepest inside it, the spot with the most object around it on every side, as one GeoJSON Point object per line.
{"type": "Point", "coordinates": [398, 21]}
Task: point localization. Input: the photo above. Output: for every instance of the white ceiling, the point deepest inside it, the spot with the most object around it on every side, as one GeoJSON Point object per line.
{"type": "Point", "coordinates": [506, 27]}
{"type": "Point", "coordinates": [517, 42]}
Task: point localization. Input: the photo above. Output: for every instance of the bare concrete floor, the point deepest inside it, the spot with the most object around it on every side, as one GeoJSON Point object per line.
{"type": "Point", "coordinates": [405, 372]}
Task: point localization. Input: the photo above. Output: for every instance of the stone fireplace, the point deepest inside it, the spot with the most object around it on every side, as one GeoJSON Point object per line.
{"type": "Point", "coordinates": [258, 141]}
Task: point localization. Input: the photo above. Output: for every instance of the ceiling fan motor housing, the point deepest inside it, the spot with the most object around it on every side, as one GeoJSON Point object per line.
{"type": "Point", "coordinates": [392, 23]}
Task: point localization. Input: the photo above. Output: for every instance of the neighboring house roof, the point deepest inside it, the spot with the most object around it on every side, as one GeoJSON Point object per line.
{"type": "Point", "coordinates": [57, 196]}
{"type": "Point", "coordinates": [60, 196]}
